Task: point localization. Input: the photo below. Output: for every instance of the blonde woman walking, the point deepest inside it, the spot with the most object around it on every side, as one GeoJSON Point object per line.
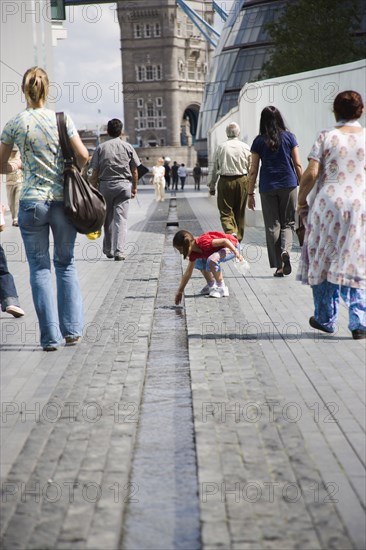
{"type": "Point", "coordinates": [41, 210]}
{"type": "Point", "coordinates": [159, 180]}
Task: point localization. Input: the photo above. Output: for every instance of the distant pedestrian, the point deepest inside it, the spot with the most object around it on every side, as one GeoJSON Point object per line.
{"type": "Point", "coordinates": [8, 293]}
{"type": "Point", "coordinates": [158, 172]}
{"type": "Point", "coordinates": [14, 182]}
{"type": "Point", "coordinates": [41, 209]}
{"type": "Point", "coordinates": [175, 177]}
{"type": "Point", "coordinates": [197, 173]}
{"type": "Point", "coordinates": [182, 174]}
{"type": "Point", "coordinates": [332, 203]}
{"type": "Point", "coordinates": [281, 169]}
{"type": "Point", "coordinates": [206, 253]}
{"type": "Point", "coordinates": [114, 165]}
{"type": "Point", "coordinates": [231, 165]}
{"type": "Point", "coordinates": [167, 174]}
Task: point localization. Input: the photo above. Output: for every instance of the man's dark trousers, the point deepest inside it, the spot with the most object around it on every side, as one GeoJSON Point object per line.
{"type": "Point", "coordinates": [231, 202]}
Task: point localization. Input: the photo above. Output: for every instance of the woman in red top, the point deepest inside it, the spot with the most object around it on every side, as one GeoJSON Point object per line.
{"type": "Point", "coordinates": [206, 253]}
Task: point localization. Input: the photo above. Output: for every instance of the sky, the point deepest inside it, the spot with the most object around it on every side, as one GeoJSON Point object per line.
{"type": "Point", "coordinates": [88, 67]}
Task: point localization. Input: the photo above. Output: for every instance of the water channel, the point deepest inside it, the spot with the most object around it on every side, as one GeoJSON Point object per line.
{"type": "Point", "coordinates": [165, 511]}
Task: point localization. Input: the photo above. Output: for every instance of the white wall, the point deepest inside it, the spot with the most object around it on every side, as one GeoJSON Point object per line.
{"type": "Point", "coordinates": [305, 101]}
{"type": "Point", "coordinates": [25, 41]}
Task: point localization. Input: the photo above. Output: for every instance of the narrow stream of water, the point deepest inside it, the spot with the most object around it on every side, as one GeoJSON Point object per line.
{"type": "Point", "coordinates": [166, 516]}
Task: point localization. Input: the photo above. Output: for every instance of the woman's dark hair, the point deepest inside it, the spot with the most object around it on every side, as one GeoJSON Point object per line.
{"type": "Point", "coordinates": [348, 105]}
{"type": "Point", "coordinates": [114, 127]}
{"type": "Point", "coordinates": [183, 239]}
{"type": "Point", "coordinates": [271, 126]}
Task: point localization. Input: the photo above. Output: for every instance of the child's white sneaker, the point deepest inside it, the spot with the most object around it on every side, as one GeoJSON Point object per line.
{"type": "Point", "coordinates": [219, 292]}
{"type": "Point", "coordinates": [205, 291]}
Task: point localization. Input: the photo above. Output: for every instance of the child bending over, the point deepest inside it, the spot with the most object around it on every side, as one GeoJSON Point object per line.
{"type": "Point", "coordinates": [206, 253]}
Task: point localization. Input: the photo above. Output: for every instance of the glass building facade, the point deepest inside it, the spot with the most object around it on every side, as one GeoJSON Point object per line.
{"type": "Point", "coordinates": [243, 48]}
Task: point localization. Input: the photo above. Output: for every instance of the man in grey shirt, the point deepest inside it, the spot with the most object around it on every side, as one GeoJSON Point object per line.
{"type": "Point", "coordinates": [114, 165]}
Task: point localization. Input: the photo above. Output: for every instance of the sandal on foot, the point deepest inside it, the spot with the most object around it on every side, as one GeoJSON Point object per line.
{"type": "Point", "coordinates": [314, 323]}
{"type": "Point", "coordinates": [286, 263]}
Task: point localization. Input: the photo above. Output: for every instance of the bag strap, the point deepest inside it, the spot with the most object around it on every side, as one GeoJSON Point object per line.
{"type": "Point", "coordinates": [66, 148]}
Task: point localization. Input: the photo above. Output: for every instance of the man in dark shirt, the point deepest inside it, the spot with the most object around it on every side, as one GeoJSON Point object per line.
{"type": "Point", "coordinates": [167, 172]}
{"type": "Point", "coordinates": [175, 175]}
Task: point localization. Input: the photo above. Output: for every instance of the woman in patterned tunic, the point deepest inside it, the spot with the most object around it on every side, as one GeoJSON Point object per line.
{"type": "Point", "coordinates": [332, 202]}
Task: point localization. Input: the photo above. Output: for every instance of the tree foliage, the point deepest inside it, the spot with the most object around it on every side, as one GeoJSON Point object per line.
{"type": "Point", "coordinates": [312, 34]}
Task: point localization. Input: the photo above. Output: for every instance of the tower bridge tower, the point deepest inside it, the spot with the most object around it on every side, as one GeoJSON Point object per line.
{"type": "Point", "coordinates": [164, 64]}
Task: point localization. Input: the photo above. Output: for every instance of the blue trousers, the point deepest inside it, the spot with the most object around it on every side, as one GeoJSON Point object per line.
{"type": "Point", "coordinates": [326, 301]}
{"type": "Point", "coordinates": [212, 263]}
{"type": "Point", "coordinates": [36, 220]}
{"type": "Point", "coordinates": [8, 292]}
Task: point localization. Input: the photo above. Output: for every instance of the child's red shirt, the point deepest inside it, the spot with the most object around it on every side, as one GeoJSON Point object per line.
{"type": "Point", "coordinates": [204, 243]}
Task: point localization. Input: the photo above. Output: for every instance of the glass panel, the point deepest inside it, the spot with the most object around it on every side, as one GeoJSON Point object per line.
{"type": "Point", "coordinates": [250, 26]}
{"type": "Point", "coordinates": [228, 102]}
{"type": "Point", "coordinates": [247, 67]}
{"type": "Point", "coordinates": [58, 10]}
{"type": "Point", "coordinates": [235, 29]}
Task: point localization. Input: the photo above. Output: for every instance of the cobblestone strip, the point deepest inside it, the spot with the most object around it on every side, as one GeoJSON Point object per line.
{"type": "Point", "coordinates": [70, 483]}
{"type": "Point", "coordinates": [260, 487]}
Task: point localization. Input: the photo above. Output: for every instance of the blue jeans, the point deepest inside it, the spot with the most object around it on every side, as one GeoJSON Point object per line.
{"type": "Point", "coordinates": [212, 263]}
{"type": "Point", "coordinates": [326, 301]}
{"type": "Point", "coordinates": [35, 220]}
{"type": "Point", "coordinates": [8, 292]}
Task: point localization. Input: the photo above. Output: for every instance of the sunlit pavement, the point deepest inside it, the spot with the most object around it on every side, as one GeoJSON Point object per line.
{"type": "Point", "coordinates": [225, 423]}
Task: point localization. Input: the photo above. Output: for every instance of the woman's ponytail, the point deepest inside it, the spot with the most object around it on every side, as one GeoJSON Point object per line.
{"type": "Point", "coordinates": [35, 86]}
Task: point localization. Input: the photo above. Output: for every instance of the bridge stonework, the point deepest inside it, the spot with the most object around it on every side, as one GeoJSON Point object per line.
{"type": "Point", "coordinates": [164, 65]}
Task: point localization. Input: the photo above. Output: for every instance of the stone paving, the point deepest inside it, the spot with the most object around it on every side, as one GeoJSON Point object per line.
{"type": "Point", "coordinates": [278, 408]}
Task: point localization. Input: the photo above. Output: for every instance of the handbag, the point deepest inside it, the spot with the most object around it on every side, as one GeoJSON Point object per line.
{"type": "Point", "coordinates": [300, 232]}
{"type": "Point", "coordinates": [84, 205]}
{"type": "Point", "coordinates": [142, 170]}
